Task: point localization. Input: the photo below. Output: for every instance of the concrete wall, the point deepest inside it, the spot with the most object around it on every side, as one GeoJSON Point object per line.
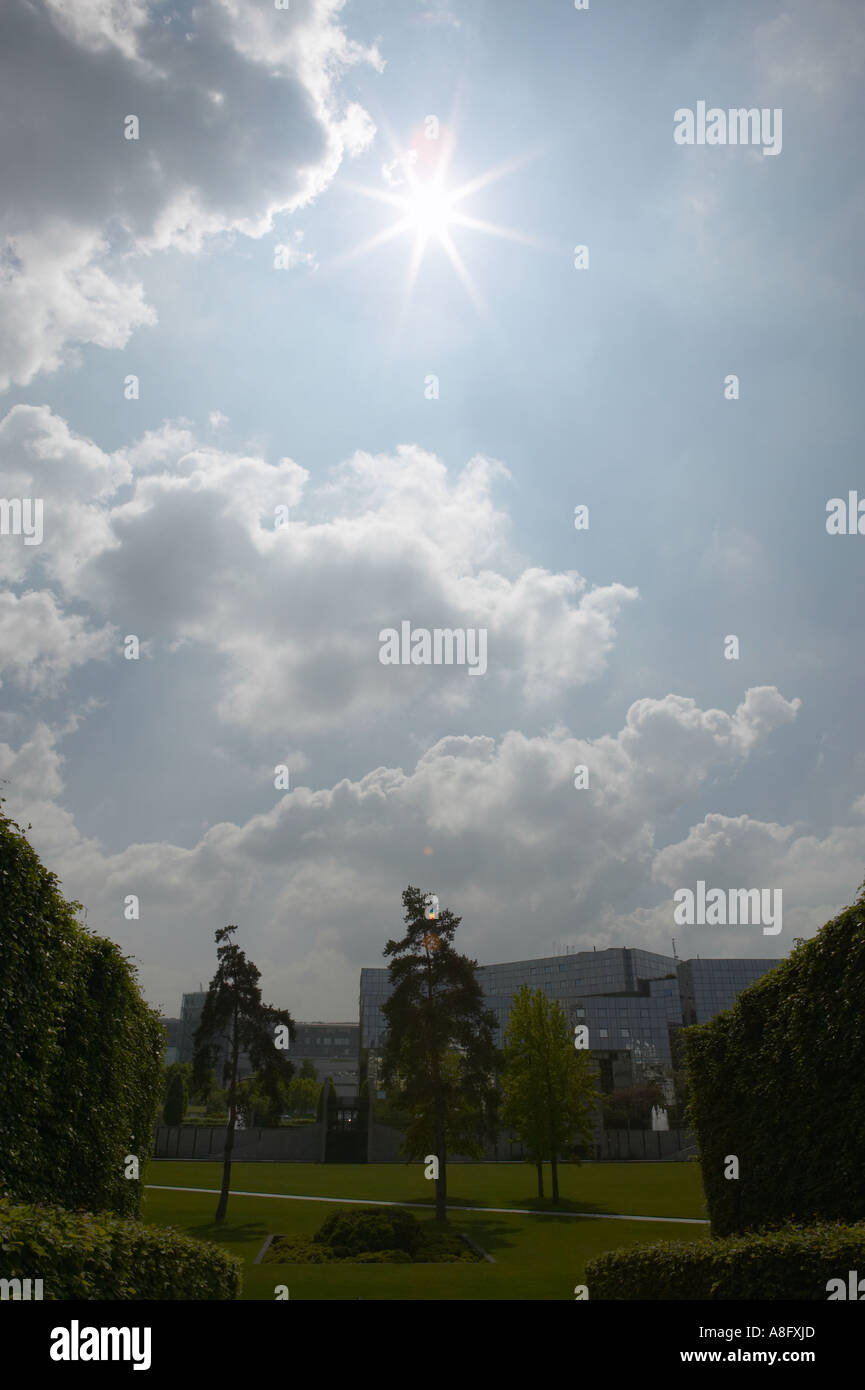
{"type": "Point", "coordinates": [643, 1143]}
{"type": "Point", "coordinates": [384, 1145]}
{"type": "Point", "coordinates": [302, 1145]}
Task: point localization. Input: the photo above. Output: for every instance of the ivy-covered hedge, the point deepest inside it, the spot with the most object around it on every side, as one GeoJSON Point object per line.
{"type": "Point", "coordinates": [80, 1051]}
{"type": "Point", "coordinates": [778, 1081]}
{"type": "Point", "coordinates": [794, 1262]}
{"type": "Point", "coordinates": [108, 1257]}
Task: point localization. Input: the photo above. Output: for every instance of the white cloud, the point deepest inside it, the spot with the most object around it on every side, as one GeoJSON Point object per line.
{"type": "Point", "coordinates": [239, 116]}
{"type": "Point", "coordinates": [39, 645]}
{"type": "Point", "coordinates": [192, 553]}
{"type": "Point", "coordinates": [315, 881]}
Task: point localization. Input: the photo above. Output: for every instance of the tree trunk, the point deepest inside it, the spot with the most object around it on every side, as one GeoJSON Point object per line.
{"type": "Point", "coordinates": [540, 1168]}
{"type": "Point", "coordinates": [222, 1206]}
{"type": "Point", "coordinates": [555, 1166]}
{"type": "Point", "coordinates": [442, 1179]}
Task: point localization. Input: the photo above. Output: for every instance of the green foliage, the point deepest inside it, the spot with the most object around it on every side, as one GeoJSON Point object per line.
{"type": "Point", "coordinates": [779, 1081]}
{"type": "Point", "coordinates": [439, 1045]}
{"type": "Point", "coordinates": [632, 1106]}
{"type": "Point", "coordinates": [372, 1235]}
{"type": "Point", "coordinates": [217, 1105]}
{"type": "Point", "coordinates": [371, 1228]}
{"type": "Point", "coordinates": [308, 1071]}
{"type": "Point", "coordinates": [795, 1262]}
{"type": "Point", "coordinates": [80, 1256]}
{"type": "Point", "coordinates": [260, 1104]}
{"type": "Point", "coordinates": [303, 1095]}
{"type": "Point", "coordinates": [548, 1087]}
{"type": "Point", "coordinates": [80, 1052]}
{"type": "Point", "coordinates": [175, 1101]}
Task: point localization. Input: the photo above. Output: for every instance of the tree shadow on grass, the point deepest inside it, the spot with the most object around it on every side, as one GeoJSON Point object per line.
{"type": "Point", "coordinates": [492, 1234]}
{"type": "Point", "coordinates": [226, 1232]}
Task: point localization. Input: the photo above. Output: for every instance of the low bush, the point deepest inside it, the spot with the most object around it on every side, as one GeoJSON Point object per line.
{"type": "Point", "coordinates": [78, 1255]}
{"type": "Point", "coordinates": [372, 1236]}
{"type": "Point", "coordinates": [792, 1262]}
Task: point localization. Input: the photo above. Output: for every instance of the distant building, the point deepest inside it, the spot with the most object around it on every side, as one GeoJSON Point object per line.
{"type": "Point", "coordinates": [331, 1047]}
{"type": "Point", "coordinates": [333, 1050]}
{"type": "Point", "coordinates": [190, 1017]}
{"type": "Point", "coordinates": [172, 1039]}
{"type": "Point", "coordinates": [633, 1002]}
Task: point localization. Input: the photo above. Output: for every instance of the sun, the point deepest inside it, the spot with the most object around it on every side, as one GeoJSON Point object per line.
{"type": "Point", "coordinates": [427, 210]}
{"type": "Point", "coordinates": [430, 209]}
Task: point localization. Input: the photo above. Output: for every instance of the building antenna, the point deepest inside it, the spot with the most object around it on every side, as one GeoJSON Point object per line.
{"type": "Point", "coordinates": [675, 957]}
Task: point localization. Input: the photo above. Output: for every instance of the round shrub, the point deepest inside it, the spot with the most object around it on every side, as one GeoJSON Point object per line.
{"type": "Point", "coordinates": [370, 1228]}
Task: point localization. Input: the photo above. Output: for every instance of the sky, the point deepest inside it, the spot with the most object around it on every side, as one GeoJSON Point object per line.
{"type": "Point", "coordinates": [306, 350]}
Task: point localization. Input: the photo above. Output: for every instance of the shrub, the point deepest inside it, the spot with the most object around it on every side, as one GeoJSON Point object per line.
{"type": "Point", "coordinates": [372, 1236]}
{"type": "Point", "coordinates": [371, 1228]}
{"type": "Point", "coordinates": [82, 1256]}
{"type": "Point", "coordinates": [779, 1081]}
{"type": "Point", "coordinates": [80, 1052]}
{"type": "Point", "coordinates": [794, 1262]}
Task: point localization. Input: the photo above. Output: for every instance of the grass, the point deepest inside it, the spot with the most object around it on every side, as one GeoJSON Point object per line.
{"type": "Point", "coordinates": [537, 1256]}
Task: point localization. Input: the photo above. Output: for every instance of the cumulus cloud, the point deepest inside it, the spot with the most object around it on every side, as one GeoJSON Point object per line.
{"type": "Point", "coordinates": [181, 541]}
{"type": "Point", "coordinates": [239, 118]}
{"type": "Point", "coordinates": [315, 881]}
{"type": "Point", "coordinates": [40, 646]}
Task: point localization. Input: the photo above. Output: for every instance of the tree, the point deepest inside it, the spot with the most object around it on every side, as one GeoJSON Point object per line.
{"type": "Point", "coordinates": [308, 1071]}
{"type": "Point", "coordinates": [184, 1071]}
{"type": "Point", "coordinates": [233, 1010]}
{"type": "Point", "coordinates": [175, 1101]}
{"type": "Point", "coordinates": [439, 1044]}
{"type": "Point", "coordinates": [303, 1095]}
{"type": "Point", "coordinates": [326, 1100]}
{"type": "Point", "coordinates": [260, 1105]}
{"type": "Point", "coordinates": [549, 1089]}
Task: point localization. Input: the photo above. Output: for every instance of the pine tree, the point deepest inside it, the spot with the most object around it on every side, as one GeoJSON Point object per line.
{"type": "Point", "coordinates": [439, 1046]}
{"type": "Point", "coordinates": [233, 1012]}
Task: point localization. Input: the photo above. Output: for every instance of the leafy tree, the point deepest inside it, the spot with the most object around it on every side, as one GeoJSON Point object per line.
{"type": "Point", "coordinates": [439, 1042]}
{"type": "Point", "coordinates": [175, 1101]}
{"type": "Point", "coordinates": [308, 1071]}
{"type": "Point", "coordinates": [303, 1094]}
{"type": "Point", "coordinates": [549, 1088]}
{"type": "Point", "coordinates": [217, 1104]}
{"type": "Point", "coordinates": [260, 1105]}
{"type": "Point", "coordinates": [233, 1010]}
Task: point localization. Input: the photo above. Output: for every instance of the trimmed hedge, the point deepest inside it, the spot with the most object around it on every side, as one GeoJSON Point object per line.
{"type": "Point", "coordinates": [779, 1081]}
{"type": "Point", "coordinates": [108, 1257]}
{"type": "Point", "coordinates": [80, 1051]}
{"type": "Point", "coordinates": [795, 1262]}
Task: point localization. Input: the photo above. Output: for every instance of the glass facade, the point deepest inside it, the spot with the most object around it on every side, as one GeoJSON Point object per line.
{"type": "Point", "coordinates": [708, 987]}
{"type": "Point", "coordinates": [630, 999]}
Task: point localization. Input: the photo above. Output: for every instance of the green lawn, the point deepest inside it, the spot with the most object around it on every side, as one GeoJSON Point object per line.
{"type": "Point", "coordinates": [537, 1256]}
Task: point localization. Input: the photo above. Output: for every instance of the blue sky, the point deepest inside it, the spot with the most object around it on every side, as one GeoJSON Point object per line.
{"type": "Point", "coordinates": [306, 386]}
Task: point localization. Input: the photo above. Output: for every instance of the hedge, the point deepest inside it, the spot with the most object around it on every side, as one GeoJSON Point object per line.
{"type": "Point", "coordinates": [80, 1052]}
{"type": "Point", "coordinates": [77, 1255]}
{"type": "Point", "coordinates": [779, 1082]}
{"type": "Point", "coordinates": [794, 1262]}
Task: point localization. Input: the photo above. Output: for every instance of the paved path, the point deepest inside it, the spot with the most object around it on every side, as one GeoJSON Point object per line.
{"type": "Point", "coordinates": [426, 1206]}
